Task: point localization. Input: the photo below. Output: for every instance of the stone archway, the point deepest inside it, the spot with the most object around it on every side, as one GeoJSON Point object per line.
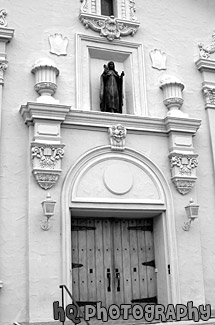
{"type": "Point", "coordinates": [90, 188]}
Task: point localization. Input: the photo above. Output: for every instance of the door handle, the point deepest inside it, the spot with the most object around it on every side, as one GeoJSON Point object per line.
{"type": "Point", "coordinates": [118, 280]}
{"type": "Point", "coordinates": [109, 280]}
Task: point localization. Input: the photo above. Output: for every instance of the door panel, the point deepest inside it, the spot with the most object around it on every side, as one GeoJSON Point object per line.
{"type": "Point", "coordinates": [108, 262]}
{"type": "Point", "coordinates": [118, 261]}
{"type": "Point", "coordinates": [126, 268]}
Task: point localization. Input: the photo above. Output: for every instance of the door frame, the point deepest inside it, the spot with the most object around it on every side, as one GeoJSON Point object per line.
{"type": "Point", "coordinates": [162, 211]}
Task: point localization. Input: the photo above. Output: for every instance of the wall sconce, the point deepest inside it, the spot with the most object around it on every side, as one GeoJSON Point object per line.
{"type": "Point", "coordinates": [48, 206]}
{"type": "Point", "coordinates": [192, 211]}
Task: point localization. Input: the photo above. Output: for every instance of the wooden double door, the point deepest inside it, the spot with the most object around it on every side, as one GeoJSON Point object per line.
{"type": "Point", "coordinates": [113, 261]}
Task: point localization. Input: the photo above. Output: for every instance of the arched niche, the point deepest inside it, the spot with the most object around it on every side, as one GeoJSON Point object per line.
{"type": "Point", "coordinates": [128, 184]}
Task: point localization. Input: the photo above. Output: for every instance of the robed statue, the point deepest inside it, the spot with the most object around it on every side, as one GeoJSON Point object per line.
{"type": "Point", "coordinates": [111, 89]}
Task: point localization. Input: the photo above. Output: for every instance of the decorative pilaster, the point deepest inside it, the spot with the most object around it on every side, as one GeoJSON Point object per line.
{"type": "Point", "coordinates": [183, 161]}
{"type": "Point", "coordinates": [206, 65]}
{"type": "Point", "coordinates": [6, 34]}
{"type": "Point", "coordinates": [46, 115]}
{"type": "Point", "coordinates": [117, 134]}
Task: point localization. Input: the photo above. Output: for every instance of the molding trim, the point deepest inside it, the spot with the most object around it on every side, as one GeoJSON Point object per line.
{"type": "Point", "coordinates": [52, 112]}
{"type": "Point", "coordinates": [72, 118]}
{"type": "Point", "coordinates": [205, 65]}
{"type": "Point", "coordinates": [6, 34]}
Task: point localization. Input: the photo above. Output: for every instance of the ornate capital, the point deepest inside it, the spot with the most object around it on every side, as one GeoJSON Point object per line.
{"type": "Point", "coordinates": [209, 94]}
{"type": "Point", "coordinates": [3, 68]}
{"type": "Point", "coordinates": [117, 135]}
{"type": "Point", "coordinates": [205, 51]}
{"type": "Point", "coordinates": [46, 159]}
{"type": "Point", "coordinates": [47, 156]}
{"type": "Point", "coordinates": [183, 171]}
{"type": "Point", "coordinates": [3, 14]}
{"type": "Point", "coordinates": [109, 27]}
{"type": "Point", "coordinates": [184, 163]}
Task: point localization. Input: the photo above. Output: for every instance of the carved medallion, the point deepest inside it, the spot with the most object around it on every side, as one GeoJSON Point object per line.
{"type": "Point", "coordinates": [118, 178]}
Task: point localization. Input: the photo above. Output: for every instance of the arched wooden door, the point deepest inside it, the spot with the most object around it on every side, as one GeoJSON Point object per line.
{"type": "Point", "coordinates": [113, 261]}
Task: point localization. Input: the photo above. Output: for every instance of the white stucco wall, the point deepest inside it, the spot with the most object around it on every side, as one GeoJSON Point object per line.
{"type": "Point", "coordinates": [175, 27]}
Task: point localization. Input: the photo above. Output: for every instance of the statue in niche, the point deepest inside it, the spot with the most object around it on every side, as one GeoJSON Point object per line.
{"type": "Point", "coordinates": [111, 89]}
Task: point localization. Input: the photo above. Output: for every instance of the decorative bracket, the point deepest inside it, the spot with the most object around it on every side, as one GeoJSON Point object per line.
{"type": "Point", "coordinates": [183, 171]}
{"type": "Point", "coordinates": [46, 159]}
{"type": "Point", "coordinates": [110, 27]}
{"type": "Point", "coordinates": [117, 134]}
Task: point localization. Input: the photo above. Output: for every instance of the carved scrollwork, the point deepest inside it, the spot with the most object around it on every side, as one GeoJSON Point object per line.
{"type": "Point", "coordinates": [3, 68]}
{"type": "Point", "coordinates": [209, 94]}
{"type": "Point", "coordinates": [47, 155]}
{"type": "Point", "coordinates": [183, 172]}
{"type": "Point", "coordinates": [117, 135]}
{"type": "Point", "coordinates": [46, 159]}
{"type": "Point", "coordinates": [110, 27]}
{"type": "Point", "coordinates": [84, 6]}
{"type": "Point", "coordinates": [132, 9]}
{"type": "Point", "coordinates": [45, 85]}
{"type": "Point", "coordinates": [185, 163]}
{"type": "Point", "coordinates": [205, 51]}
{"type": "Point", "coordinates": [3, 14]}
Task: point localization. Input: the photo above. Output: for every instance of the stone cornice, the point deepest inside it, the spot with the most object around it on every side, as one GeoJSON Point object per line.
{"type": "Point", "coordinates": [72, 118]}
{"type": "Point", "coordinates": [33, 111]}
{"type": "Point", "coordinates": [206, 65]}
{"type": "Point", "coordinates": [142, 124]}
{"type": "Point", "coordinates": [6, 34]}
{"type": "Point", "coordinates": [95, 119]}
{"type": "Point", "coordinates": [182, 124]}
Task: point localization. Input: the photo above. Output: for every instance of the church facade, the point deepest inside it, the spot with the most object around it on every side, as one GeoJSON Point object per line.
{"type": "Point", "coordinates": [107, 188]}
